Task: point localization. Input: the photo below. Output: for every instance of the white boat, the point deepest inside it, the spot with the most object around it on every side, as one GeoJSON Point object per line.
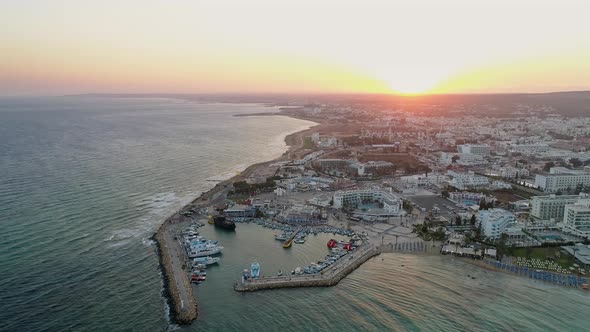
{"type": "Point", "coordinates": [255, 270]}
{"type": "Point", "coordinates": [202, 251]}
{"type": "Point", "coordinates": [206, 260]}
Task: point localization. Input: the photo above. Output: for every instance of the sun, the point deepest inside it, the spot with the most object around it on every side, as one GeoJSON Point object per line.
{"type": "Point", "coordinates": [410, 87]}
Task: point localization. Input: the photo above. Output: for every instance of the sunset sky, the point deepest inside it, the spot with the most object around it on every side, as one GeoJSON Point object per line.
{"type": "Point", "coordinates": [390, 46]}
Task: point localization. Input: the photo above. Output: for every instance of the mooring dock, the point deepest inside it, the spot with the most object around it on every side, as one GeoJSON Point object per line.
{"type": "Point", "coordinates": [328, 277]}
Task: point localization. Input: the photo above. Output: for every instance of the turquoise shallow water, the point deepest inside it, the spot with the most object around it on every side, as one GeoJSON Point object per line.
{"type": "Point", "coordinates": [84, 182]}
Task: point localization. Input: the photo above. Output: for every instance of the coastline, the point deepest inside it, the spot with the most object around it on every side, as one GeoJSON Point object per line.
{"type": "Point", "coordinates": [178, 290]}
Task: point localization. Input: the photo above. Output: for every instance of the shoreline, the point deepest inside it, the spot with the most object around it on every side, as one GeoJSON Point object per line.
{"type": "Point", "coordinates": [178, 291]}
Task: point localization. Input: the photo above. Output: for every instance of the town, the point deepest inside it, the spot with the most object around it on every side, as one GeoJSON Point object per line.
{"type": "Point", "coordinates": [507, 192]}
{"type": "Point", "coordinates": [511, 188]}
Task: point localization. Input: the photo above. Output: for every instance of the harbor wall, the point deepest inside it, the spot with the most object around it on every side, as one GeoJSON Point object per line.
{"type": "Point", "coordinates": [180, 312]}
{"type": "Point", "coordinates": [317, 280]}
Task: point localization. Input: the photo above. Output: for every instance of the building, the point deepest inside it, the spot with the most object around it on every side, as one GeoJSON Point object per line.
{"type": "Point", "coordinates": [481, 149]}
{"type": "Point", "coordinates": [494, 222]}
{"type": "Point", "coordinates": [303, 215]}
{"type": "Point", "coordinates": [558, 182]}
{"type": "Point", "coordinates": [552, 207]}
{"type": "Point", "coordinates": [581, 252]}
{"type": "Point", "coordinates": [353, 198]}
{"type": "Point", "coordinates": [529, 148]}
{"type": "Point", "coordinates": [333, 163]}
{"type": "Point", "coordinates": [240, 211]}
{"type": "Point", "coordinates": [576, 218]}
{"type": "Point", "coordinates": [463, 181]}
{"type": "Point", "coordinates": [374, 167]}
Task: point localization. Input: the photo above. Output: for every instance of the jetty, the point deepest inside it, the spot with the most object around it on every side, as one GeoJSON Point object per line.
{"type": "Point", "coordinates": [328, 277]}
{"type": "Point", "coordinates": [289, 242]}
{"type": "Point", "coordinates": [177, 286]}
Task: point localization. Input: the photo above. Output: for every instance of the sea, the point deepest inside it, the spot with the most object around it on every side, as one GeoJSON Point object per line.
{"type": "Point", "coordinates": [85, 182]}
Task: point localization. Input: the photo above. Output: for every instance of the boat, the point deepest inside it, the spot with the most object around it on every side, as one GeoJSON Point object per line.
{"type": "Point", "coordinates": [255, 270]}
{"type": "Point", "coordinates": [280, 274]}
{"type": "Point", "coordinates": [206, 260]}
{"type": "Point", "coordinates": [222, 222]}
{"type": "Point", "coordinates": [300, 240]}
{"type": "Point", "coordinates": [198, 279]}
{"type": "Point", "coordinates": [282, 237]}
{"type": "Point", "coordinates": [204, 250]}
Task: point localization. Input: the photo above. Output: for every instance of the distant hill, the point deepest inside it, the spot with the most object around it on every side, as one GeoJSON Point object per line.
{"type": "Point", "coordinates": [568, 103]}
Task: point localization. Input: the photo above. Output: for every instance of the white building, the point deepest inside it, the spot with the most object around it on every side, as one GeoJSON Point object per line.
{"type": "Point", "coordinates": [576, 218]}
{"type": "Point", "coordinates": [552, 206]}
{"type": "Point", "coordinates": [463, 181]}
{"type": "Point", "coordinates": [494, 222]}
{"type": "Point", "coordinates": [354, 198]}
{"type": "Point", "coordinates": [372, 167]}
{"type": "Point", "coordinates": [556, 182]}
{"type": "Point", "coordinates": [481, 149]}
{"type": "Point", "coordinates": [529, 148]}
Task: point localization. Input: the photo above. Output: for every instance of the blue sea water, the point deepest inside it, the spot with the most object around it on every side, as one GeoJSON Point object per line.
{"type": "Point", "coordinates": [84, 182]}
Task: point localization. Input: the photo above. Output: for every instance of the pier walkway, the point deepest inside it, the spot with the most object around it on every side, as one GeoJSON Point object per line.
{"type": "Point", "coordinates": [328, 277]}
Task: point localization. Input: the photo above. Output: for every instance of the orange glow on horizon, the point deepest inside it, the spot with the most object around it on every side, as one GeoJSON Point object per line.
{"type": "Point", "coordinates": [229, 46]}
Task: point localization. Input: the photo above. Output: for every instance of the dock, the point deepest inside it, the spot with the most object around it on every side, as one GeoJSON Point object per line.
{"type": "Point", "coordinates": [328, 277]}
{"type": "Point", "coordinates": [287, 244]}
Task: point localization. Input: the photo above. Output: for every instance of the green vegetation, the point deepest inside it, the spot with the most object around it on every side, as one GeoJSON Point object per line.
{"type": "Point", "coordinates": [427, 234]}
{"type": "Point", "coordinates": [243, 187]}
{"type": "Point", "coordinates": [551, 253]}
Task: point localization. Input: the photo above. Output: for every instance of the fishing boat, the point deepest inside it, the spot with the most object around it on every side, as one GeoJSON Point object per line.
{"type": "Point", "coordinates": [282, 237]}
{"type": "Point", "coordinates": [204, 250]}
{"type": "Point", "coordinates": [206, 260]}
{"type": "Point", "coordinates": [255, 270]}
{"type": "Point", "coordinates": [300, 240]}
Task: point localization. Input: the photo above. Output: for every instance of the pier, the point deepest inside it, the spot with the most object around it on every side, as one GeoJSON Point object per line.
{"type": "Point", "coordinates": [328, 277]}
{"type": "Point", "coordinates": [177, 286]}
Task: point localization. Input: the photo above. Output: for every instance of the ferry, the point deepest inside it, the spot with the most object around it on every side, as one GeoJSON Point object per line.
{"type": "Point", "coordinates": [255, 270]}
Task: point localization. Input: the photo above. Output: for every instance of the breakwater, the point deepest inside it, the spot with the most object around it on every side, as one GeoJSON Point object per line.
{"type": "Point", "coordinates": [177, 287]}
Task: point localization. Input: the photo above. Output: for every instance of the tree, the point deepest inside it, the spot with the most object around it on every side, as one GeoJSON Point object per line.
{"type": "Point", "coordinates": [454, 159]}
{"type": "Point", "coordinates": [575, 162]}
{"type": "Point", "coordinates": [458, 221]}
{"type": "Point", "coordinates": [548, 166]}
{"type": "Point", "coordinates": [473, 220]}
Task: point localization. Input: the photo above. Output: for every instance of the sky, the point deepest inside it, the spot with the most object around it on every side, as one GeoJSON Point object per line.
{"type": "Point", "coordinates": [322, 46]}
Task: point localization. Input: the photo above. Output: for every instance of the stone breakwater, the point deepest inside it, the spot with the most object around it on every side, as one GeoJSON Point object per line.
{"type": "Point", "coordinates": [177, 286]}
{"type": "Point", "coordinates": [330, 277]}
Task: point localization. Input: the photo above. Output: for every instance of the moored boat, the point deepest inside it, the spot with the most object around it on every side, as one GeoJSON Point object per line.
{"type": "Point", "coordinates": [206, 260]}
{"type": "Point", "coordinates": [255, 270]}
